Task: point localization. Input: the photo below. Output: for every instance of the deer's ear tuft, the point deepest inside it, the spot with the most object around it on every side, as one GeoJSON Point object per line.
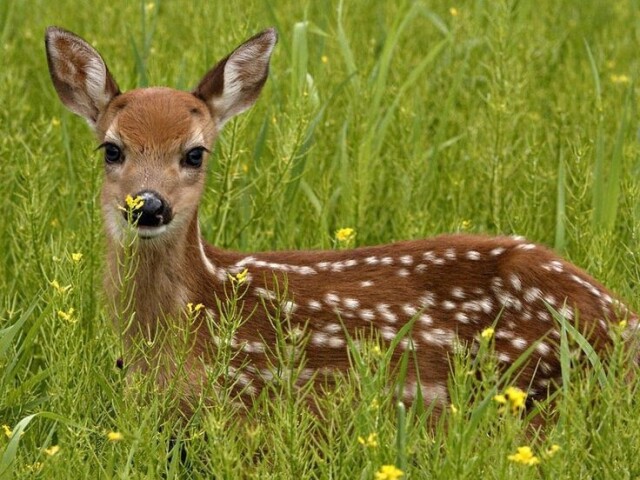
{"type": "Point", "coordinates": [233, 85]}
{"type": "Point", "coordinates": [79, 74]}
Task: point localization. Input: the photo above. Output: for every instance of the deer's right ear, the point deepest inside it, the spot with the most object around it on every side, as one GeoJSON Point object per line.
{"type": "Point", "coordinates": [234, 84]}
{"type": "Point", "coordinates": [79, 74]}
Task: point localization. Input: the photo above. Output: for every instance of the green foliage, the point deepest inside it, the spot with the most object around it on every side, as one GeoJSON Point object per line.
{"type": "Point", "coordinates": [399, 119]}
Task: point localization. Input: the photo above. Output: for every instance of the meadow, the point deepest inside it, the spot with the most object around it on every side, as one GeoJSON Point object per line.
{"type": "Point", "coordinates": [398, 119]}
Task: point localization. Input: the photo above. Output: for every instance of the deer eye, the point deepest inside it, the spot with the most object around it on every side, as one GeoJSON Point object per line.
{"type": "Point", "coordinates": [194, 157]}
{"type": "Point", "coordinates": [112, 153]}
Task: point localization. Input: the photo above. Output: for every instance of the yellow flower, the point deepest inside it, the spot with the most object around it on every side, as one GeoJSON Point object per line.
{"type": "Point", "coordinates": [193, 309]}
{"type": "Point", "coordinates": [324, 59]}
{"type": "Point", "coordinates": [241, 277]}
{"type": "Point", "coordinates": [375, 405]}
{"type": "Point", "coordinates": [525, 456]}
{"type": "Point", "coordinates": [76, 257]}
{"type": "Point", "coordinates": [454, 12]}
{"type": "Point", "coordinates": [388, 472]}
{"type": "Point", "coordinates": [59, 288]}
{"type": "Point", "coordinates": [52, 450]}
{"type": "Point", "coordinates": [624, 79]}
{"type": "Point", "coordinates": [516, 398]}
{"type": "Point", "coordinates": [454, 409]}
{"type": "Point", "coordinates": [149, 7]}
{"type": "Point", "coordinates": [114, 436]}
{"type": "Point", "coordinates": [133, 203]}
{"type": "Point", "coordinates": [7, 431]}
{"type": "Point", "coordinates": [371, 441]}
{"type": "Point", "coordinates": [68, 316]}
{"type": "Point", "coordinates": [55, 122]}
{"type": "Point", "coordinates": [345, 236]}
{"type": "Point", "coordinates": [552, 450]}
{"type": "Point", "coordinates": [487, 333]}
{"type": "Point", "coordinates": [513, 397]}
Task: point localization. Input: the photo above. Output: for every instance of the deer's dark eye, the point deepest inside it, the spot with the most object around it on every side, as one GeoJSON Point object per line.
{"type": "Point", "coordinates": [194, 157]}
{"type": "Point", "coordinates": [112, 153]}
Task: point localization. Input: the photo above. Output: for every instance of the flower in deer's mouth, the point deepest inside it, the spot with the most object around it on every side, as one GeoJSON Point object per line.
{"type": "Point", "coordinates": [134, 203]}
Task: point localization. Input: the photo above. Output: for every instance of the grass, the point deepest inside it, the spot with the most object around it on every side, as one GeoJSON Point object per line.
{"type": "Point", "coordinates": [397, 119]}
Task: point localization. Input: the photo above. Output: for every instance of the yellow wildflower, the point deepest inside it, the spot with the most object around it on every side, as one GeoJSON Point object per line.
{"type": "Point", "coordinates": [55, 122]}
{"type": "Point", "coordinates": [454, 409]}
{"type": "Point", "coordinates": [324, 59]}
{"type": "Point", "coordinates": [52, 450]}
{"type": "Point", "coordinates": [621, 79]}
{"type": "Point", "coordinates": [454, 12]}
{"type": "Point", "coordinates": [114, 436]}
{"type": "Point", "coordinates": [58, 287]}
{"type": "Point", "coordinates": [513, 397]}
{"type": "Point", "coordinates": [241, 277]}
{"type": "Point", "coordinates": [371, 441]}
{"type": "Point", "coordinates": [133, 203]}
{"type": "Point", "coordinates": [34, 467]}
{"type": "Point", "coordinates": [375, 405]}
{"type": "Point", "coordinates": [487, 333]}
{"type": "Point", "coordinates": [388, 472]}
{"type": "Point", "coordinates": [345, 236]}
{"type": "Point", "coordinates": [7, 431]}
{"type": "Point", "coordinates": [552, 450]}
{"type": "Point", "coordinates": [193, 309]}
{"type": "Point", "coordinates": [516, 398]}
{"type": "Point", "coordinates": [149, 7]}
{"type": "Point", "coordinates": [67, 316]}
{"type": "Point", "coordinates": [525, 456]}
{"type": "Point", "coordinates": [76, 257]}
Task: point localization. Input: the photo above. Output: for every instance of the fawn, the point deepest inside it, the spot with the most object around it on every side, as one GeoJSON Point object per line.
{"type": "Point", "coordinates": [156, 143]}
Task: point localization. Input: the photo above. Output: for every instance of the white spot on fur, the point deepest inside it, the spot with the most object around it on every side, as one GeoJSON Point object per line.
{"type": "Point", "coordinates": [403, 272]}
{"type": "Point", "coordinates": [497, 251]}
{"type": "Point", "coordinates": [351, 303]}
{"type": "Point", "coordinates": [519, 343]}
{"type": "Point", "coordinates": [371, 260]}
{"type": "Point", "coordinates": [448, 305]}
{"type": "Point", "coordinates": [332, 299]}
{"type": "Point", "coordinates": [406, 259]}
{"type": "Point", "coordinates": [532, 294]}
{"type": "Point", "coordinates": [314, 305]}
{"type": "Point", "coordinates": [450, 254]}
{"type": "Point", "coordinates": [386, 261]}
{"type": "Point", "coordinates": [366, 283]}
{"type": "Point", "coordinates": [457, 292]}
{"type": "Point", "coordinates": [409, 309]}
{"type": "Point", "coordinates": [473, 255]}
{"type": "Point", "coordinates": [387, 314]}
{"type": "Point", "coordinates": [366, 314]}
{"type": "Point", "coordinates": [516, 283]}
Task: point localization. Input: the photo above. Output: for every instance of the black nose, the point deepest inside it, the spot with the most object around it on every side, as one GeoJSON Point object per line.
{"type": "Point", "coordinates": [149, 210]}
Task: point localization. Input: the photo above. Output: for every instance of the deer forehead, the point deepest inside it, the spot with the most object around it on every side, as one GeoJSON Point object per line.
{"type": "Point", "coordinates": [157, 120]}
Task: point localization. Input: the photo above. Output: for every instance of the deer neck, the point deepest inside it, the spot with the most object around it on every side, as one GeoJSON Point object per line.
{"type": "Point", "coordinates": [152, 281]}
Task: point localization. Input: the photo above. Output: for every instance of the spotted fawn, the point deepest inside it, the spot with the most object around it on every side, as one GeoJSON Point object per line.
{"type": "Point", "coordinates": [156, 145]}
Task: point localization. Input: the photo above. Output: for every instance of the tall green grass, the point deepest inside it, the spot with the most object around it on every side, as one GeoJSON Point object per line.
{"type": "Point", "coordinates": [398, 119]}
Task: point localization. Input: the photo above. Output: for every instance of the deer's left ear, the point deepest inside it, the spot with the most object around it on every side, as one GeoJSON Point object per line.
{"type": "Point", "coordinates": [233, 85]}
